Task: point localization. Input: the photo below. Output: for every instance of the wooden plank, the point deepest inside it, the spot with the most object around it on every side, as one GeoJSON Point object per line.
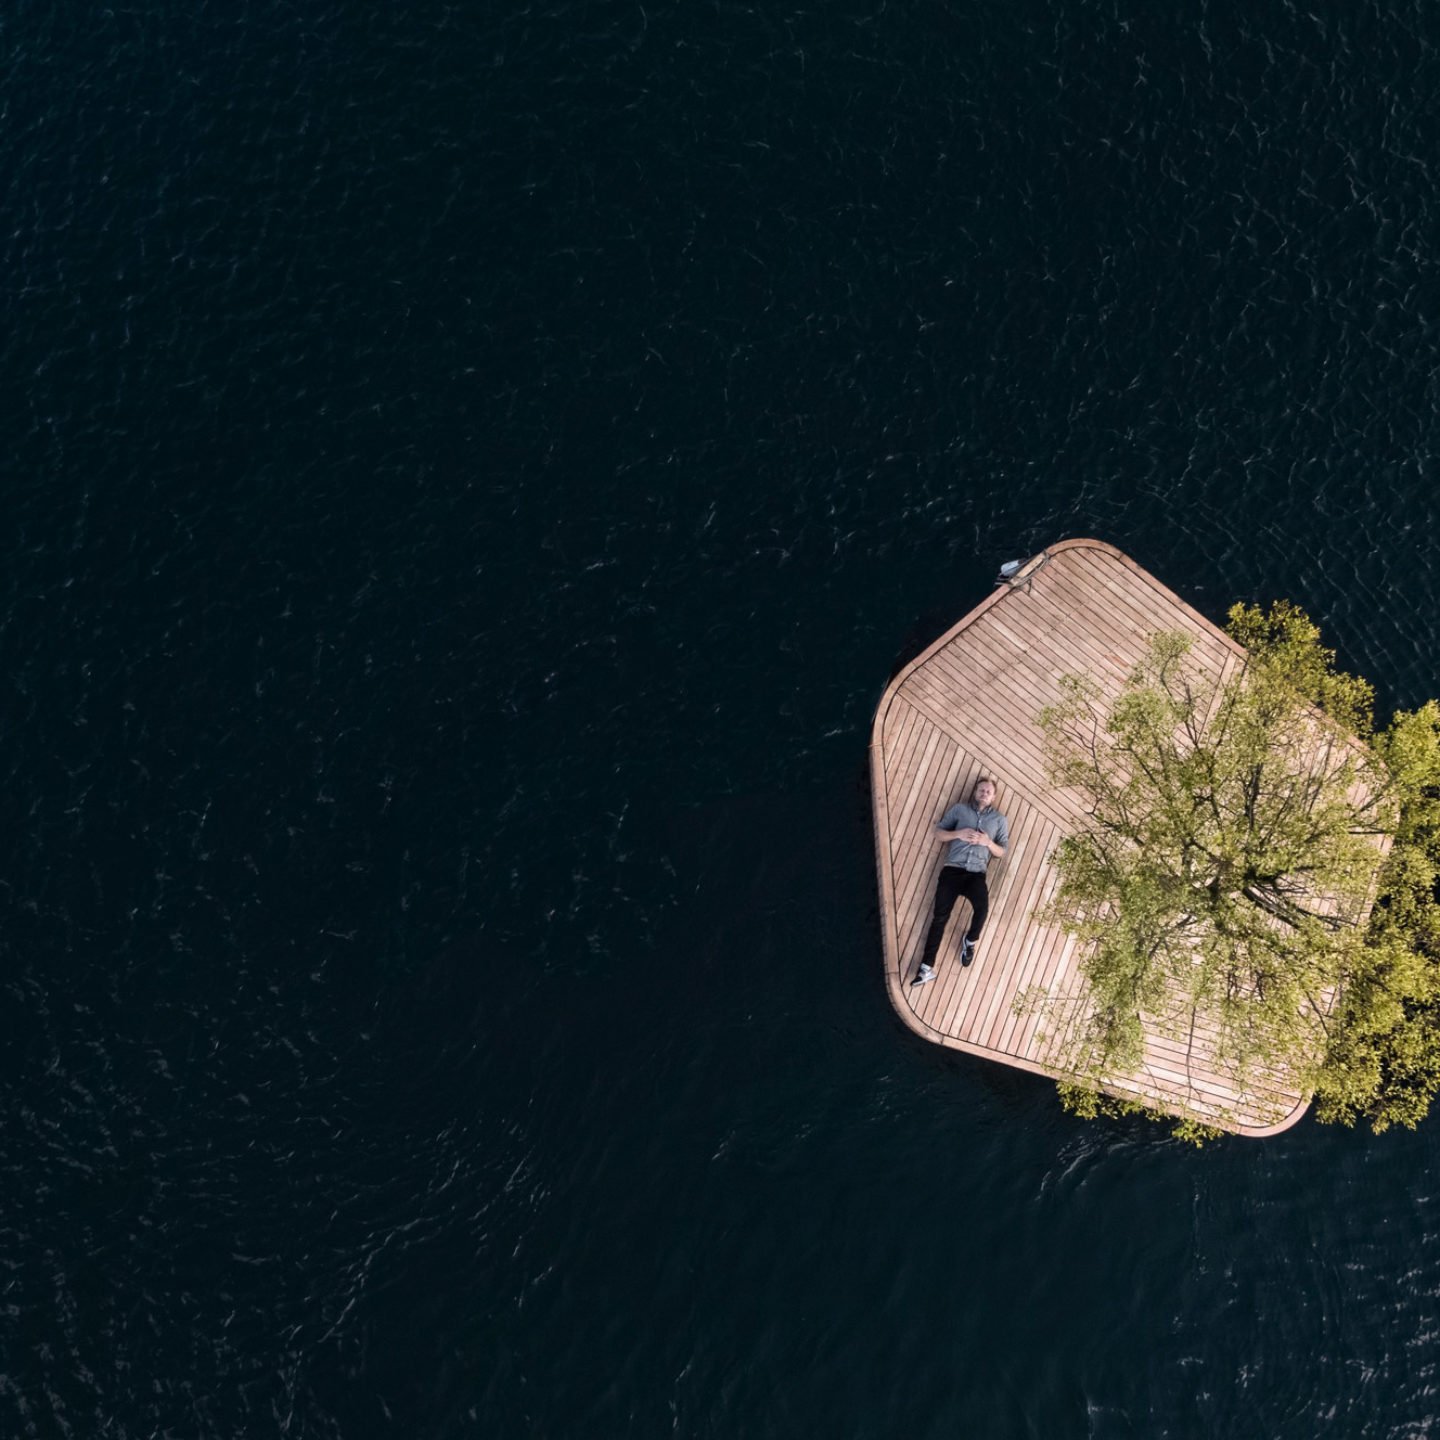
{"type": "Point", "coordinates": [917, 731]}
{"type": "Point", "coordinates": [1006, 954]}
{"type": "Point", "coordinates": [914, 781]}
{"type": "Point", "coordinates": [1013, 705]}
{"type": "Point", "coordinates": [990, 746]}
{"type": "Point", "coordinates": [1008, 736]}
{"type": "Point", "coordinates": [1047, 635]}
{"type": "Point", "coordinates": [1026, 681]}
{"type": "Point", "coordinates": [1088, 624]}
{"type": "Point", "coordinates": [1145, 608]}
{"type": "Point", "coordinates": [1145, 598]}
{"type": "Point", "coordinates": [1046, 939]}
{"type": "Point", "coordinates": [991, 1026]}
{"type": "Point", "coordinates": [1005, 1026]}
{"type": "Point", "coordinates": [1119, 650]}
{"type": "Point", "coordinates": [939, 755]}
{"type": "Point", "coordinates": [1048, 974]}
{"type": "Point", "coordinates": [898, 738]}
{"type": "Point", "coordinates": [1064, 590]}
{"type": "Point", "coordinates": [1108, 612]}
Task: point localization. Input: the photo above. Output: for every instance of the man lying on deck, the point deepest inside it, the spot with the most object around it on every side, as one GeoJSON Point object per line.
{"type": "Point", "coordinates": [976, 831]}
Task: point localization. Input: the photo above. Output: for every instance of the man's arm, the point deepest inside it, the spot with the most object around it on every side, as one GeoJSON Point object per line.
{"type": "Point", "coordinates": [975, 837]}
{"type": "Point", "coordinates": [972, 837]}
{"type": "Point", "coordinates": [949, 817]}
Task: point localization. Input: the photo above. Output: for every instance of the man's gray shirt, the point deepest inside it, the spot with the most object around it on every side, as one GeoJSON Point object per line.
{"type": "Point", "coordinates": [965, 816]}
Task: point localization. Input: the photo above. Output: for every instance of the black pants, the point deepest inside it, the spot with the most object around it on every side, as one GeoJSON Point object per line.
{"type": "Point", "coordinates": [953, 883]}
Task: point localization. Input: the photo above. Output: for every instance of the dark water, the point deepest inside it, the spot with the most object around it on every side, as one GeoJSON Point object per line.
{"type": "Point", "coordinates": [471, 470]}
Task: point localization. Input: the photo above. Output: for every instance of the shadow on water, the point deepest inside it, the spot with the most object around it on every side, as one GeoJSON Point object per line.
{"type": "Point", "coordinates": [926, 630]}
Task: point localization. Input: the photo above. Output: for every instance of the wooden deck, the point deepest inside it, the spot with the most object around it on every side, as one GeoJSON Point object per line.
{"type": "Point", "coordinates": [967, 706]}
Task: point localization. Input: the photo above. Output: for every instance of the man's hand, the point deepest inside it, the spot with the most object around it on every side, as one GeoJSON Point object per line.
{"type": "Point", "coordinates": [971, 837]}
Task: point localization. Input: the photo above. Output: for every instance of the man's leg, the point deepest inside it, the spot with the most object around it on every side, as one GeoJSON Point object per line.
{"type": "Point", "coordinates": [975, 890]}
{"type": "Point", "coordinates": [947, 892]}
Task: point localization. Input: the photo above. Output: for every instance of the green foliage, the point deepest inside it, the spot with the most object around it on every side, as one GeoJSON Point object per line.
{"type": "Point", "coordinates": [1383, 1058]}
{"type": "Point", "coordinates": [1195, 1132]}
{"type": "Point", "coordinates": [1229, 876]}
{"type": "Point", "coordinates": [1284, 647]}
{"type": "Point", "coordinates": [1088, 1104]}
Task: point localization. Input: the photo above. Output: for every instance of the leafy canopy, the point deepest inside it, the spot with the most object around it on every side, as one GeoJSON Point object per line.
{"type": "Point", "coordinates": [1231, 881]}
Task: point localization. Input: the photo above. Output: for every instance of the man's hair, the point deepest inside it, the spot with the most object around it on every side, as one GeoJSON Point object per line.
{"type": "Point", "coordinates": [982, 780]}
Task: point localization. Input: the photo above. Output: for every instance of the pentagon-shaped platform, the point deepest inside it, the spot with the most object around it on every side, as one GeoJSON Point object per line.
{"type": "Point", "coordinates": [967, 706]}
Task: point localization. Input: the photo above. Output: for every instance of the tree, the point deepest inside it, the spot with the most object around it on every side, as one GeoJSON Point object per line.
{"type": "Point", "coordinates": [1231, 881]}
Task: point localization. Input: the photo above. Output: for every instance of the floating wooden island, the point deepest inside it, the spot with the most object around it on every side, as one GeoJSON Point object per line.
{"type": "Point", "coordinates": [968, 707]}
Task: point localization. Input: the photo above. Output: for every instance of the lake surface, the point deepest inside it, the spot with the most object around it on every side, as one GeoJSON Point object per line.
{"type": "Point", "coordinates": [472, 470]}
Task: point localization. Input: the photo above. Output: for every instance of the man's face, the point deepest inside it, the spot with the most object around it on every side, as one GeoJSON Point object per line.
{"type": "Point", "coordinates": [984, 794]}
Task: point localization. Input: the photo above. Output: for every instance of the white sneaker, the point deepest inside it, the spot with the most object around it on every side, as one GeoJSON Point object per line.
{"type": "Point", "coordinates": [924, 975]}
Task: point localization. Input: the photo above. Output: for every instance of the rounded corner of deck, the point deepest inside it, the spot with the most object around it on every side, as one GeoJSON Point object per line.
{"type": "Point", "coordinates": [1262, 1132]}
{"type": "Point", "coordinates": [882, 708]}
{"type": "Point", "coordinates": [895, 985]}
{"type": "Point", "coordinates": [1086, 542]}
{"type": "Point", "coordinates": [900, 1003]}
